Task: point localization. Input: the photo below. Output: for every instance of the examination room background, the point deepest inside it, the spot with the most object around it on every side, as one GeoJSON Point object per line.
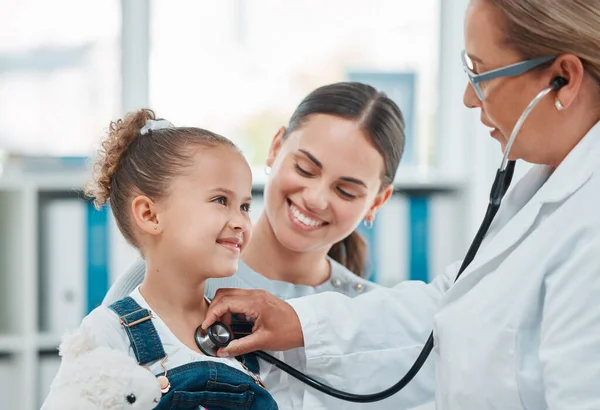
{"type": "Point", "coordinates": [236, 67]}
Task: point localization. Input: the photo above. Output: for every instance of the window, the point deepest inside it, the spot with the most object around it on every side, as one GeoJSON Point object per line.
{"type": "Point", "coordinates": [59, 74]}
{"type": "Point", "coordinates": [240, 67]}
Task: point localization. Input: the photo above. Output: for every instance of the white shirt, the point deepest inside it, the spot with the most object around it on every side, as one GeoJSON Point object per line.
{"type": "Point", "coordinates": [519, 330]}
{"type": "Point", "coordinates": [104, 324]}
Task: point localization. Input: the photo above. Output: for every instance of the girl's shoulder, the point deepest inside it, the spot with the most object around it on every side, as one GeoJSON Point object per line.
{"type": "Point", "coordinates": [104, 326]}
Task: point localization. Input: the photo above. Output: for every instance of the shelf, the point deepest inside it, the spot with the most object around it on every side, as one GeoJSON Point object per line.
{"type": "Point", "coordinates": [12, 241]}
{"type": "Point", "coordinates": [430, 179]}
{"type": "Point", "coordinates": [10, 344]}
{"type": "Point", "coordinates": [48, 342]}
{"type": "Point", "coordinates": [50, 181]}
{"type": "Point", "coordinates": [12, 382]}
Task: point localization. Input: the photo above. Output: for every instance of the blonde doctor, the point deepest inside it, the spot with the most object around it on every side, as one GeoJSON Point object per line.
{"type": "Point", "coordinates": [520, 329]}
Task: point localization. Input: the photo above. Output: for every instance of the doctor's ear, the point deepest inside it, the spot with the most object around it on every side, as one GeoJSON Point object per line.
{"type": "Point", "coordinates": [145, 215]}
{"type": "Point", "coordinates": [569, 67]}
{"type": "Point", "coordinates": [275, 146]}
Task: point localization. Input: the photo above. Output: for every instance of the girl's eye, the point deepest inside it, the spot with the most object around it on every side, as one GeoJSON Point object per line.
{"type": "Point", "coordinates": [345, 194]}
{"type": "Point", "coordinates": [221, 200]}
{"type": "Point", "coordinates": [245, 207]}
{"type": "Point", "coordinates": [302, 171]}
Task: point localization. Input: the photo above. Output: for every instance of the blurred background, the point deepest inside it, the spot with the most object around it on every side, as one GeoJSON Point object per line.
{"type": "Point", "coordinates": [236, 67]}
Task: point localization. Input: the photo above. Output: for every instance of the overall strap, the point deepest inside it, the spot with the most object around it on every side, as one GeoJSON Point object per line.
{"type": "Point", "coordinates": [142, 334]}
{"type": "Point", "coordinates": [241, 328]}
{"type": "Point", "coordinates": [250, 361]}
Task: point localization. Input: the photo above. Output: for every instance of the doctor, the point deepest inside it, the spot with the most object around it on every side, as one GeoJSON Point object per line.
{"type": "Point", "coordinates": [520, 329]}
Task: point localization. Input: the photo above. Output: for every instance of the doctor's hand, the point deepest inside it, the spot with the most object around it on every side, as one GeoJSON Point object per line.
{"type": "Point", "coordinates": [276, 325]}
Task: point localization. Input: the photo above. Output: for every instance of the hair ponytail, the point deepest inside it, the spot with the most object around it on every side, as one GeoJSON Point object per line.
{"type": "Point", "coordinates": [351, 252]}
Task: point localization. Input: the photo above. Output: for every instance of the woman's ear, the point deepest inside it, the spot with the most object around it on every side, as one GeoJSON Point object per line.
{"type": "Point", "coordinates": [275, 146]}
{"type": "Point", "coordinates": [145, 215]}
{"type": "Point", "coordinates": [570, 67]}
{"type": "Point", "coordinates": [378, 202]}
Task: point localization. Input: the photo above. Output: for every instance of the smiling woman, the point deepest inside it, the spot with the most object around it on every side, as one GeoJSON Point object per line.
{"type": "Point", "coordinates": [335, 163]}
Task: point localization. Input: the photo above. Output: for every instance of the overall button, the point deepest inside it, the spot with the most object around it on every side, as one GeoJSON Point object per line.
{"type": "Point", "coordinates": [359, 287]}
{"type": "Point", "coordinates": [336, 282]}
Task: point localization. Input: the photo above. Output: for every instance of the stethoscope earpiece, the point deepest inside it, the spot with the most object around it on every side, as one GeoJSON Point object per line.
{"type": "Point", "coordinates": [558, 83]}
{"type": "Point", "coordinates": [209, 341]}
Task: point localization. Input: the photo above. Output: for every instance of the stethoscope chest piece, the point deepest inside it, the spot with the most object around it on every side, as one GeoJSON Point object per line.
{"type": "Point", "coordinates": [209, 341]}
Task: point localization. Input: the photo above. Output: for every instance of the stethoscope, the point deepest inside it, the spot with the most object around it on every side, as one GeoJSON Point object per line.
{"type": "Point", "coordinates": [218, 334]}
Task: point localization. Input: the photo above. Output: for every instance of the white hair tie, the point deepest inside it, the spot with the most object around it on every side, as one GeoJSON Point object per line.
{"type": "Point", "coordinates": [153, 125]}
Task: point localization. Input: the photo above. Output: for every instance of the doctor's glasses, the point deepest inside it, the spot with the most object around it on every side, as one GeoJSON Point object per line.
{"type": "Point", "coordinates": [508, 71]}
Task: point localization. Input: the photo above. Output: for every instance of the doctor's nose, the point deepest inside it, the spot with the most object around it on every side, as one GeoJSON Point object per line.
{"type": "Point", "coordinates": [470, 99]}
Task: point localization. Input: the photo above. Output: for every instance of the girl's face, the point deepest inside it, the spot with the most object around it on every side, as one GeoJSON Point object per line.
{"type": "Point", "coordinates": [325, 178]}
{"type": "Point", "coordinates": [204, 222]}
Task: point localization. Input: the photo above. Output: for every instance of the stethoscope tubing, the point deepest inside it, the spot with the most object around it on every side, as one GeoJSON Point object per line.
{"type": "Point", "coordinates": [500, 186]}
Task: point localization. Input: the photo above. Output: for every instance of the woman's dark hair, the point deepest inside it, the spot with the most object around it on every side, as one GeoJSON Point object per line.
{"type": "Point", "coordinates": [381, 121]}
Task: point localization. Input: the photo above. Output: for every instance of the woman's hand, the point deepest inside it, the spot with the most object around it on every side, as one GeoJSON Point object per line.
{"type": "Point", "coordinates": [276, 325]}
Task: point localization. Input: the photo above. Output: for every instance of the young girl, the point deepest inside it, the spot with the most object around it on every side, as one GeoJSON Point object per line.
{"type": "Point", "coordinates": [181, 196]}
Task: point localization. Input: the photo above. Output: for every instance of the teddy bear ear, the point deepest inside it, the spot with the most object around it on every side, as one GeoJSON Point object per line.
{"type": "Point", "coordinates": [76, 343]}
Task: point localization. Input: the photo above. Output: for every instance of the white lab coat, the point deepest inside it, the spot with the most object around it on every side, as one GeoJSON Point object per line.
{"type": "Point", "coordinates": [519, 330]}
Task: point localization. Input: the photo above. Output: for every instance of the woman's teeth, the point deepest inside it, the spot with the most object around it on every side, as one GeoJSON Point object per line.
{"type": "Point", "coordinates": [303, 218]}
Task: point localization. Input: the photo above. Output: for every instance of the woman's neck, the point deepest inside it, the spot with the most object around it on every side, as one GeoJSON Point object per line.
{"type": "Point", "coordinates": [173, 294]}
{"type": "Point", "coordinates": [267, 256]}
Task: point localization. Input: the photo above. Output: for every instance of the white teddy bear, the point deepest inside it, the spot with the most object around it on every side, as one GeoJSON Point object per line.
{"type": "Point", "coordinates": [95, 377]}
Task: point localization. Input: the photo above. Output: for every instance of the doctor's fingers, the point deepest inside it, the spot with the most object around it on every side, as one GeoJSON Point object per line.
{"type": "Point", "coordinates": [282, 333]}
{"type": "Point", "coordinates": [222, 292]}
{"type": "Point", "coordinates": [251, 343]}
{"type": "Point", "coordinates": [227, 301]}
{"type": "Point", "coordinates": [276, 324]}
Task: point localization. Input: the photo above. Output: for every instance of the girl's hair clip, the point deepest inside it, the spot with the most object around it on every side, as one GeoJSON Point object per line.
{"type": "Point", "coordinates": [153, 125]}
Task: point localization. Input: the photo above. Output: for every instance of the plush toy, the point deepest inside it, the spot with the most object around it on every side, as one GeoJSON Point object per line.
{"type": "Point", "coordinates": [95, 377]}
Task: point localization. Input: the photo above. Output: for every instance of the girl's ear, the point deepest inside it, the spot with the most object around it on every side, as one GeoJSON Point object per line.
{"type": "Point", "coordinates": [145, 215]}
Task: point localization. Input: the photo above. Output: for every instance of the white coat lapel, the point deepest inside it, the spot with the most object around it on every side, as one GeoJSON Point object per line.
{"type": "Point", "coordinates": [521, 214]}
{"type": "Point", "coordinates": [523, 204]}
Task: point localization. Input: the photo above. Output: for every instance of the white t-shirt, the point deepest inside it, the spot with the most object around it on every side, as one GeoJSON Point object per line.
{"type": "Point", "coordinates": [104, 324]}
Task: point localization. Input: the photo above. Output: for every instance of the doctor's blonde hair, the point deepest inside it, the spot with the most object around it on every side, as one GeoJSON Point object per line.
{"type": "Point", "coordinates": [541, 27]}
{"type": "Point", "coordinates": [131, 164]}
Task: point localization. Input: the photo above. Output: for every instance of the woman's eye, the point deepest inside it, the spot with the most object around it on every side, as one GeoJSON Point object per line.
{"type": "Point", "coordinates": [302, 171]}
{"type": "Point", "coordinates": [345, 194]}
{"type": "Point", "coordinates": [220, 200]}
{"type": "Point", "coordinates": [245, 207]}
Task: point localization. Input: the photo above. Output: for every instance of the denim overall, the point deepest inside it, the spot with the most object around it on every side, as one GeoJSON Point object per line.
{"type": "Point", "coordinates": [197, 385]}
